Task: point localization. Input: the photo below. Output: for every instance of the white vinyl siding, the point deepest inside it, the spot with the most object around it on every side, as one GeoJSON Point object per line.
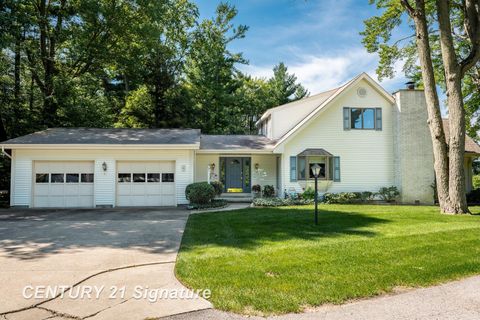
{"type": "Point", "coordinates": [366, 156]}
{"type": "Point", "coordinates": [266, 173]}
{"type": "Point", "coordinates": [202, 162]}
{"type": "Point", "coordinates": [104, 186]}
{"type": "Point", "coordinates": [21, 181]}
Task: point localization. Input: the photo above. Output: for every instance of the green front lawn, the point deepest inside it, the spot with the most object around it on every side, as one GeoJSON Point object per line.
{"type": "Point", "coordinates": [264, 261]}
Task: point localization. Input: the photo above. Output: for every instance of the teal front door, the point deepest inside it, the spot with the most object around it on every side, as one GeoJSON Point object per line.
{"type": "Point", "coordinates": [235, 174]}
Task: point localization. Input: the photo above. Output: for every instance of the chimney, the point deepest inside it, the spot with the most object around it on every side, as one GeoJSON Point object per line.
{"type": "Point", "coordinates": [413, 152]}
{"type": "Point", "coordinates": [410, 85]}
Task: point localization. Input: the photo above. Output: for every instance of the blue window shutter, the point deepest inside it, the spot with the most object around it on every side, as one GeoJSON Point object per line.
{"type": "Point", "coordinates": [293, 168]}
{"type": "Point", "coordinates": [336, 169]}
{"type": "Point", "coordinates": [302, 166]}
{"type": "Point", "coordinates": [378, 119]}
{"type": "Point", "coordinates": [346, 118]}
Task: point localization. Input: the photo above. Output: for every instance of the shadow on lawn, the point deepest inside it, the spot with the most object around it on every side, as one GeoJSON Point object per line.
{"type": "Point", "coordinates": [252, 227]}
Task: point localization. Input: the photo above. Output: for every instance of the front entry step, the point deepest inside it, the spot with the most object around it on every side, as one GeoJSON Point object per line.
{"type": "Point", "coordinates": [237, 197]}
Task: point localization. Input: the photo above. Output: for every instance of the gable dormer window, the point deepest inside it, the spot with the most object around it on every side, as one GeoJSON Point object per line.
{"type": "Point", "coordinates": [264, 127]}
{"type": "Point", "coordinates": [362, 118]}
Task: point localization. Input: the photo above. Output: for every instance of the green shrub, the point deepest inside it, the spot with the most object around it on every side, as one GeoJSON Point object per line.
{"type": "Point", "coordinates": [268, 191]}
{"type": "Point", "coordinates": [308, 194]}
{"type": "Point", "coordinates": [476, 181]}
{"type": "Point", "coordinates": [388, 193]}
{"type": "Point", "coordinates": [278, 202]}
{"type": "Point", "coordinates": [216, 203]}
{"type": "Point", "coordinates": [256, 188]}
{"type": "Point", "coordinates": [218, 186]}
{"type": "Point", "coordinates": [367, 196]}
{"type": "Point", "coordinates": [342, 197]}
{"type": "Point", "coordinates": [4, 199]}
{"type": "Point", "coordinates": [474, 196]}
{"type": "Point", "coordinates": [200, 193]}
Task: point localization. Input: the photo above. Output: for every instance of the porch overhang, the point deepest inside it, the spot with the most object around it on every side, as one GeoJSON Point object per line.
{"type": "Point", "coordinates": [315, 152]}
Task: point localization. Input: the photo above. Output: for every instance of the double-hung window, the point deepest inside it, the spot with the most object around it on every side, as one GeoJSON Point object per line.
{"type": "Point", "coordinates": [362, 118]}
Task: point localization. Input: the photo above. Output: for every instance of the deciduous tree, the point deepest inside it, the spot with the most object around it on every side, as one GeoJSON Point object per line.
{"type": "Point", "coordinates": [456, 50]}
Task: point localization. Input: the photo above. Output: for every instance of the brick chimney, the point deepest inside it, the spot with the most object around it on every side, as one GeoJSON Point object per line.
{"type": "Point", "coordinates": [413, 152]}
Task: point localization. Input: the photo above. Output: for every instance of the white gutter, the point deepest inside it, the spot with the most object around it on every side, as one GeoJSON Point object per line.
{"type": "Point", "coordinates": [5, 153]}
{"type": "Point", "coordinates": [235, 151]}
{"type": "Point", "coordinates": [104, 146]}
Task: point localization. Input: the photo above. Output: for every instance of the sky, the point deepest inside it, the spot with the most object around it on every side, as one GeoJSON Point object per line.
{"type": "Point", "coordinates": [318, 40]}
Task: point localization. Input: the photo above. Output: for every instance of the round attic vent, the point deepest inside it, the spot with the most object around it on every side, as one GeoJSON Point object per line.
{"type": "Point", "coordinates": [362, 92]}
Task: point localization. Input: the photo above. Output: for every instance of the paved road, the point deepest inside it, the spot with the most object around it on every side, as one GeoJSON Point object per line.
{"type": "Point", "coordinates": [459, 300]}
{"type": "Point", "coordinates": [91, 248]}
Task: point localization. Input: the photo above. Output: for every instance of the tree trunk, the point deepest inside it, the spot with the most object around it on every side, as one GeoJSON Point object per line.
{"type": "Point", "coordinates": [160, 106]}
{"type": "Point", "coordinates": [453, 80]}
{"type": "Point", "coordinates": [3, 132]}
{"type": "Point", "coordinates": [440, 150]}
{"type": "Point", "coordinates": [47, 52]}
{"type": "Point", "coordinates": [457, 191]}
{"type": "Point", "coordinates": [16, 88]}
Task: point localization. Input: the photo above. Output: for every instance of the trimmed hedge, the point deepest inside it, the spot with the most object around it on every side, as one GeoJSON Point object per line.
{"type": "Point", "coordinates": [342, 197]}
{"type": "Point", "coordinates": [217, 203]}
{"type": "Point", "coordinates": [218, 186]}
{"type": "Point", "coordinates": [278, 202]}
{"type": "Point", "coordinates": [388, 193]}
{"type": "Point", "coordinates": [268, 191]}
{"type": "Point", "coordinates": [200, 193]}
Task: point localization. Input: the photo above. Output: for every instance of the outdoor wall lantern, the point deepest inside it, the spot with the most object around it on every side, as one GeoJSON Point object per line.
{"type": "Point", "coordinates": [104, 166]}
{"type": "Point", "coordinates": [212, 166]}
{"type": "Point", "coordinates": [257, 166]}
{"type": "Point", "coordinates": [316, 172]}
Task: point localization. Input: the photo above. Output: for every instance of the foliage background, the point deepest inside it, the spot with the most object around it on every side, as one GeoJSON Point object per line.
{"type": "Point", "coordinates": [128, 63]}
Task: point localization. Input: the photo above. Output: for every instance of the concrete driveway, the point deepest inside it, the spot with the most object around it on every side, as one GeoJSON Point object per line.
{"type": "Point", "coordinates": [113, 261]}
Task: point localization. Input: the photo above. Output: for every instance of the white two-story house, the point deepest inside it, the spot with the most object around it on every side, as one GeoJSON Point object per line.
{"type": "Point", "coordinates": [362, 137]}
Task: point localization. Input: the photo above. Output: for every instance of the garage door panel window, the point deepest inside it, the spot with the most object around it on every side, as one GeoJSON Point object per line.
{"type": "Point", "coordinates": [168, 177]}
{"type": "Point", "coordinates": [87, 178]}
{"type": "Point", "coordinates": [153, 177]}
{"type": "Point", "coordinates": [57, 178]}
{"type": "Point", "coordinates": [41, 178]}
{"type": "Point", "coordinates": [139, 177]}
{"type": "Point", "coordinates": [72, 178]}
{"type": "Point", "coordinates": [124, 177]}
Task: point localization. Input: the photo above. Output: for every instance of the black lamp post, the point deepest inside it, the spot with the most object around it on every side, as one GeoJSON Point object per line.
{"type": "Point", "coordinates": [316, 172]}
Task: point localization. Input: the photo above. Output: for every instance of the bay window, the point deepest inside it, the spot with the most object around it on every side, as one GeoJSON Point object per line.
{"type": "Point", "coordinates": [302, 164]}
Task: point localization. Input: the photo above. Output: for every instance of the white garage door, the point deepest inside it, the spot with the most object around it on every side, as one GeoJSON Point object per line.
{"type": "Point", "coordinates": [145, 183]}
{"type": "Point", "coordinates": [63, 184]}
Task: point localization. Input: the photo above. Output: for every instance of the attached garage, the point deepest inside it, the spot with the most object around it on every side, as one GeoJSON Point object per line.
{"type": "Point", "coordinates": [101, 168]}
{"type": "Point", "coordinates": [63, 184]}
{"type": "Point", "coordinates": [145, 183]}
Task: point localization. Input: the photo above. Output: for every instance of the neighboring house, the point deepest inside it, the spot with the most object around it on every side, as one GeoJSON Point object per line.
{"type": "Point", "coordinates": [362, 137]}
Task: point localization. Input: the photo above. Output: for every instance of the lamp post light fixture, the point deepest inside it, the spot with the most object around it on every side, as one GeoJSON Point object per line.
{"type": "Point", "coordinates": [316, 173]}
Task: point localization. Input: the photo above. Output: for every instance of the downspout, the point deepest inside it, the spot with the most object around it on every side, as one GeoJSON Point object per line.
{"type": "Point", "coordinates": [6, 153]}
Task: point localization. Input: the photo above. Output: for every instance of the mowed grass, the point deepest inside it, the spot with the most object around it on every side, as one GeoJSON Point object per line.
{"type": "Point", "coordinates": [275, 260]}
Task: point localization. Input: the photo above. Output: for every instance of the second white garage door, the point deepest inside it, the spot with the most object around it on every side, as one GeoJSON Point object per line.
{"type": "Point", "coordinates": [145, 183]}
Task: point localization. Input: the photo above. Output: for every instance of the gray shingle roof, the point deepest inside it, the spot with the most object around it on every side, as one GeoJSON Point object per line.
{"type": "Point", "coordinates": [470, 145]}
{"type": "Point", "coordinates": [315, 152]}
{"type": "Point", "coordinates": [109, 136]}
{"type": "Point", "coordinates": [235, 142]}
